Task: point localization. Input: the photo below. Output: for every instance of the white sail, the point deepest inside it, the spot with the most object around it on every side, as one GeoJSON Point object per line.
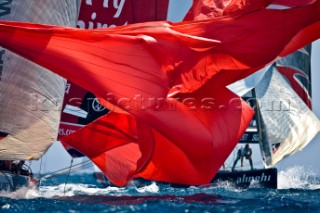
{"type": "Point", "coordinates": [31, 97]}
{"type": "Point", "coordinates": [283, 94]}
{"type": "Point", "coordinates": [287, 124]}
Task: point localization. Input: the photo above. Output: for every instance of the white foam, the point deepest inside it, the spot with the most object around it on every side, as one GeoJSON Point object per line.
{"type": "Point", "coordinates": [152, 188]}
{"type": "Point", "coordinates": [70, 190]}
{"type": "Point", "coordinates": [297, 178]}
{"type": "Point", "coordinates": [77, 189]}
{"type": "Point", "coordinates": [16, 194]}
{"type": "Point", "coordinates": [6, 206]}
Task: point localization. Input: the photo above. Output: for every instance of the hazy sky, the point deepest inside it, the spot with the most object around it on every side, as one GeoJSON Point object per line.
{"type": "Point", "coordinates": [315, 67]}
{"type": "Point", "coordinates": [57, 157]}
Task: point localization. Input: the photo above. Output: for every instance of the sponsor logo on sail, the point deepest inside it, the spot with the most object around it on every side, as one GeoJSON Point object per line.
{"type": "Point", "coordinates": [2, 52]}
{"type": "Point", "coordinates": [5, 9]}
{"type": "Point", "coordinates": [95, 16]}
{"type": "Point", "coordinates": [247, 179]}
{"type": "Point", "coordinates": [96, 106]}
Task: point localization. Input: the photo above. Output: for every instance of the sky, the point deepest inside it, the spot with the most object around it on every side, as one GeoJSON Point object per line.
{"type": "Point", "coordinates": [57, 158]}
{"type": "Point", "coordinates": [315, 67]}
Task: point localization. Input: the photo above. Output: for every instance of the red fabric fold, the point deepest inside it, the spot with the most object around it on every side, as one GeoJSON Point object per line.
{"type": "Point", "coordinates": [204, 9]}
{"type": "Point", "coordinates": [117, 143]}
{"type": "Point", "coordinates": [207, 127]}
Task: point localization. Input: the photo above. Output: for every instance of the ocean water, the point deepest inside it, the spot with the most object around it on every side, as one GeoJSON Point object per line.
{"type": "Point", "coordinates": [82, 193]}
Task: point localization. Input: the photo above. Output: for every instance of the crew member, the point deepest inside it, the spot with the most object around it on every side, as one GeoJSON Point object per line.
{"type": "Point", "coordinates": [244, 152]}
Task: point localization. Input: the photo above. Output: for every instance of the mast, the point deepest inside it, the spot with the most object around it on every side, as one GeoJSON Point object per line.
{"type": "Point", "coordinates": [258, 117]}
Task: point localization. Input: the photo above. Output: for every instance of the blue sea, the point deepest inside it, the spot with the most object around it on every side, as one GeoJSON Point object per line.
{"type": "Point", "coordinates": [82, 193]}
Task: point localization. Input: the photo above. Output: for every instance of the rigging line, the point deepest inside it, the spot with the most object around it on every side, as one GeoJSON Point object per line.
{"type": "Point", "coordinates": [66, 168]}
{"type": "Point", "coordinates": [40, 170]}
{"type": "Point", "coordinates": [81, 168]}
{"type": "Point", "coordinates": [64, 189]}
{"type": "Point", "coordinates": [74, 169]}
{"type": "Point", "coordinates": [78, 164]}
{"type": "Point", "coordinates": [40, 165]}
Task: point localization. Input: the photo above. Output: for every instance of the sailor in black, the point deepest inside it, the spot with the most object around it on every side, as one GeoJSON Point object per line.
{"type": "Point", "coordinates": [244, 152]}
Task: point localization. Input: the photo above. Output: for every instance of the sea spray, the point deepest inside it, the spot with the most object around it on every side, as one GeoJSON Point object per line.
{"type": "Point", "coordinates": [297, 178]}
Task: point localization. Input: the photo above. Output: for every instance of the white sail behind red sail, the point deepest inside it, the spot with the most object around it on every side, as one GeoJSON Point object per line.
{"type": "Point", "coordinates": [287, 123]}
{"type": "Point", "coordinates": [284, 94]}
{"type": "Point", "coordinates": [296, 69]}
{"type": "Point", "coordinates": [31, 97]}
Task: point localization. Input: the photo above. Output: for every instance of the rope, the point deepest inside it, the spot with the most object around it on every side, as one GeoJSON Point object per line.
{"type": "Point", "coordinates": [39, 183]}
{"type": "Point", "coordinates": [40, 165]}
{"type": "Point", "coordinates": [64, 189]}
{"type": "Point", "coordinates": [71, 169]}
{"type": "Point", "coordinates": [84, 162]}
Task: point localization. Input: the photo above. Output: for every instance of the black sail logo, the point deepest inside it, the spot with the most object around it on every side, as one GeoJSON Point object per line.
{"type": "Point", "coordinates": [5, 8]}
{"type": "Point", "coordinates": [2, 52]}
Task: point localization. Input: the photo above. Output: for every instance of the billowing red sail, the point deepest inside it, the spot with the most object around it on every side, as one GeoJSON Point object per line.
{"type": "Point", "coordinates": [125, 147]}
{"type": "Point", "coordinates": [225, 44]}
{"type": "Point", "coordinates": [80, 106]}
{"type": "Point", "coordinates": [135, 67]}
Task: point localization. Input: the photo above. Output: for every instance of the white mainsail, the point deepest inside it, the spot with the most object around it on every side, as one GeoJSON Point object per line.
{"type": "Point", "coordinates": [287, 124]}
{"type": "Point", "coordinates": [31, 97]}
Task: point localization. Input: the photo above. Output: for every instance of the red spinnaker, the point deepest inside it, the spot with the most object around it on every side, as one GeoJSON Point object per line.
{"type": "Point", "coordinates": [183, 139]}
